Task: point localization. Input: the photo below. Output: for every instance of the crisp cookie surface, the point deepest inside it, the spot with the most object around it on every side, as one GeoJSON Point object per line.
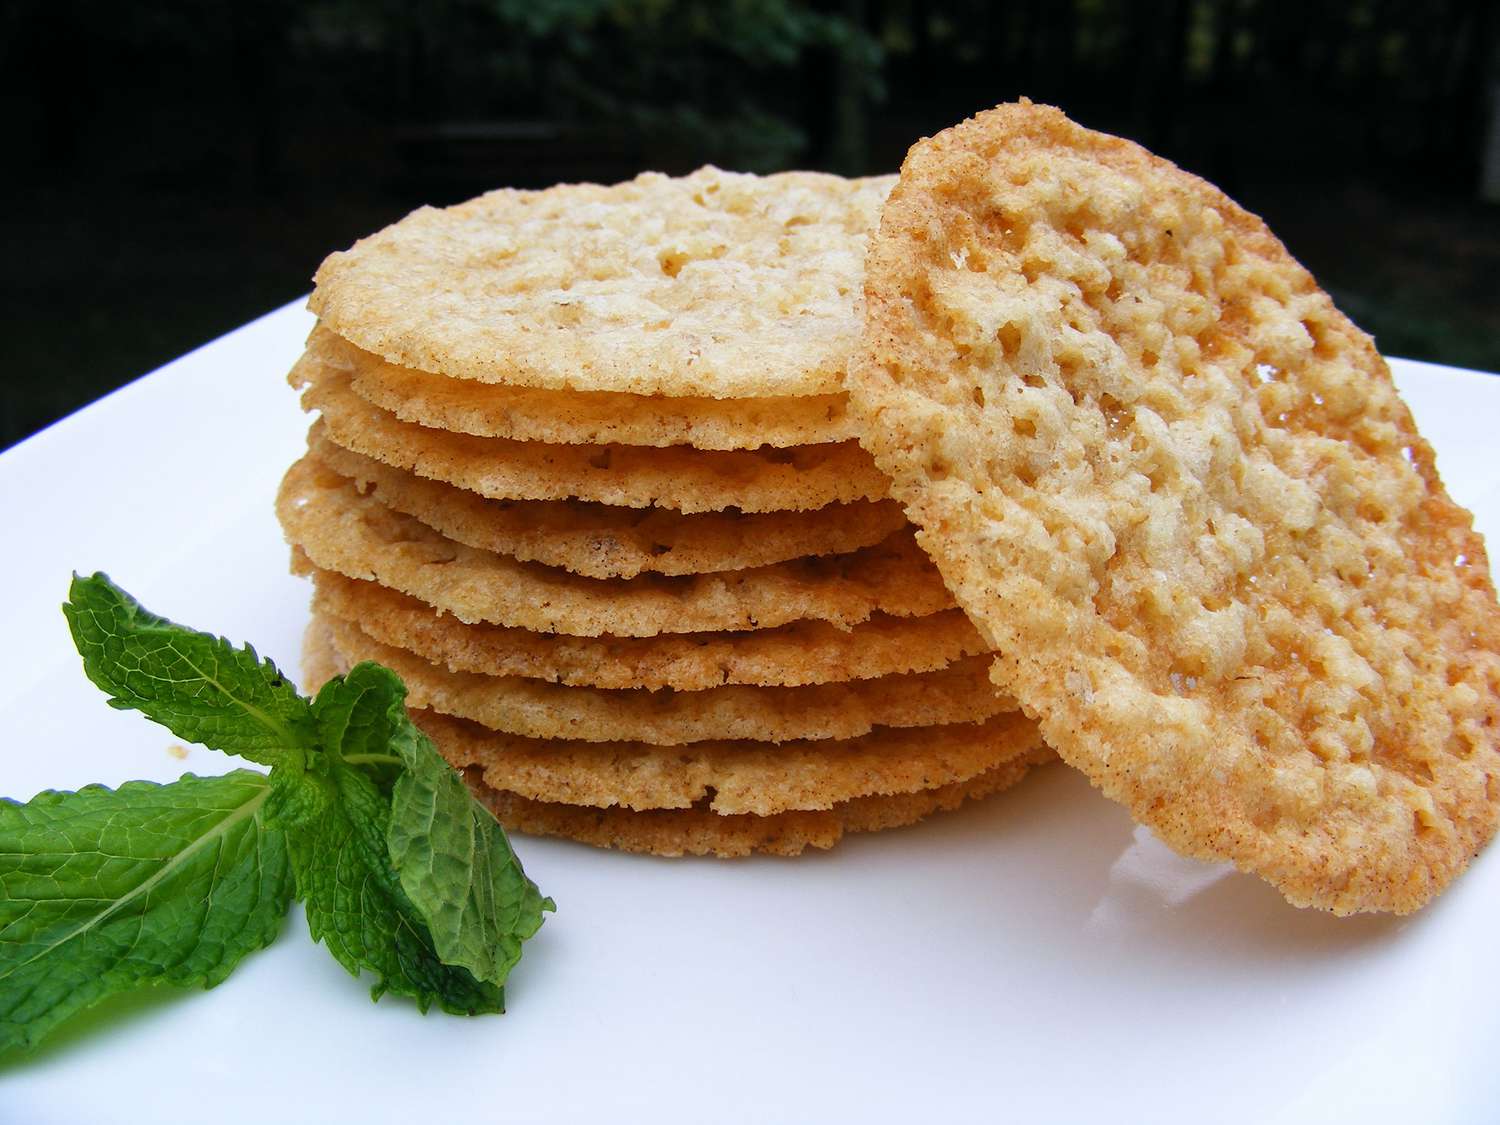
{"type": "Point", "coordinates": [577, 417]}
{"type": "Point", "coordinates": [601, 541]}
{"type": "Point", "coordinates": [1176, 489]}
{"type": "Point", "coordinates": [960, 693]}
{"type": "Point", "coordinates": [320, 663]}
{"type": "Point", "coordinates": [632, 476]}
{"type": "Point", "coordinates": [340, 530]}
{"type": "Point", "coordinates": [803, 652]}
{"type": "Point", "coordinates": [698, 831]}
{"type": "Point", "coordinates": [716, 284]}
{"type": "Point", "coordinates": [726, 778]}
{"type": "Point", "coordinates": [733, 777]}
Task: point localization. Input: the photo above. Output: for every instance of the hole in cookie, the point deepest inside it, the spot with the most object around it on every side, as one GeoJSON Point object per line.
{"type": "Point", "coordinates": [601, 459]}
{"type": "Point", "coordinates": [937, 469]}
{"type": "Point", "coordinates": [1149, 359]}
{"type": "Point", "coordinates": [978, 396]}
{"type": "Point", "coordinates": [1010, 338]}
{"type": "Point", "coordinates": [1032, 379]}
{"type": "Point", "coordinates": [1023, 427]}
{"type": "Point", "coordinates": [1114, 413]}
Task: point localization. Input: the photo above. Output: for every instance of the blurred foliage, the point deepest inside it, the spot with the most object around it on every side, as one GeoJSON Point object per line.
{"type": "Point", "coordinates": [176, 168]}
{"type": "Point", "coordinates": [697, 76]}
{"type": "Point", "coordinates": [763, 84]}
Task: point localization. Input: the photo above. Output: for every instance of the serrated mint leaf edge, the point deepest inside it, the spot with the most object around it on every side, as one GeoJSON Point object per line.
{"type": "Point", "coordinates": [465, 920]}
{"type": "Point", "coordinates": [259, 928]}
{"type": "Point", "coordinates": [400, 916]}
{"type": "Point", "coordinates": [240, 814]}
{"type": "Point", "coordinates": [82, 590]}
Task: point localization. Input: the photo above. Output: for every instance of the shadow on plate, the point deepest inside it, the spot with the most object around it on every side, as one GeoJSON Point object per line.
{"type": "Point", "coordinates": [1063, 865]}
{"type": "Point", "coordinates": [116, 1014]}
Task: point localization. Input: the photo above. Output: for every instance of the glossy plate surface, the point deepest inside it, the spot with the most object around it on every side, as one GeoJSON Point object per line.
{"type": "Point", "coordinates": [1035, 957]}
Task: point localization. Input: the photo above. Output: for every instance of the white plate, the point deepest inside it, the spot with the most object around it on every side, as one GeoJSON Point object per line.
{"type": "Point", "coordinates": [1034, 957]}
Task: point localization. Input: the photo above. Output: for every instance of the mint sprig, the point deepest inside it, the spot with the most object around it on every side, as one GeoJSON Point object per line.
{"type": "Point", "coordinates": [106, 890]}
{"type": "Point", "coordinates": [402, 872]}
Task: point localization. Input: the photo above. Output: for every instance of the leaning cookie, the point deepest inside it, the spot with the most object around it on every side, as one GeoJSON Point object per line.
{"type": "Point", "coordinates": [1176, 489]}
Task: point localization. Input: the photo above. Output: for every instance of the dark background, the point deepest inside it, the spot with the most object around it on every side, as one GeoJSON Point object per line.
{"type": "Point", "coordinates": [177, 169]}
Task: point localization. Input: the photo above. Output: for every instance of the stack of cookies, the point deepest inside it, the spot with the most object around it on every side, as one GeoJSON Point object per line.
{"type": "Point", "coordinates": [583, 476]}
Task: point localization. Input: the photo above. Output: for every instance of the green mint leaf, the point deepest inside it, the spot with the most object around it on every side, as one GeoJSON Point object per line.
{"type": "Point", "coordinates": [456, 865]}
{"type": "Point", "coordinates": [296, 797]}
{"type": "Point", "coordinates": [356, 907]}
{"type": "Point", "coordinates": [357, 715]}
{"type": "Point", "coordinates": [451, 856]}
{"type": "Point", "coordinates": [107, 890]}
{"type": "Point", "coordinates": [197, 685]}
{"type": "Point", "coordinates": [101, 891]}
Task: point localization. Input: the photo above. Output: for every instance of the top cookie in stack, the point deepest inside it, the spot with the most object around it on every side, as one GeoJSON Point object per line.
{"type": "Point", "coordinates": [584, 478]}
